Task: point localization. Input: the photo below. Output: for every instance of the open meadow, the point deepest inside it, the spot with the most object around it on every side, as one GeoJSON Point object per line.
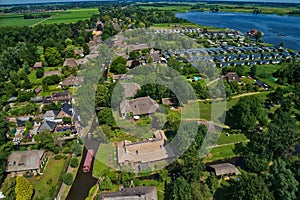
{"type": "Point", "coordinates": [67, 16]}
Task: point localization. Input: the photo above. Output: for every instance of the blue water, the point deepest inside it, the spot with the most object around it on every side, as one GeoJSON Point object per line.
{"type": "Point", "coordinates": [270, 25]}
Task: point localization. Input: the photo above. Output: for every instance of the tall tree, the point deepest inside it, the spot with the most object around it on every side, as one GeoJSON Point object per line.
{"type": "Point", "coordinates": [53, 56]}
{"type": "Point", "coordinates": [251, 187]}
{"type": "Point", "coordinates": [246, 113]}
{"type": "Point", "coordinates": [282, 181]}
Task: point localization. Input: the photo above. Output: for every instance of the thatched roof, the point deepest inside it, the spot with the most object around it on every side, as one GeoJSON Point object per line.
{"type": "Point", "coordinates": [225, 169]}
{"type": "Point", "coordinates": [145, 151]}
{"type": "Point", "coordinates": [130, 89]}
{"type": "Point", "coordinates": [233, 77]}
{"type": "Point", "coordinates": [24, 160]}
{"type": "Point", "coordinates": [71, 62]}
{"type": "Point", "coordinates": [38, 65]}
{"type": "Point", "coordinates": [134, 193]}
{"type": "Point", "coordinates": [50, 73]}
{"type": "Point", "coordinates": [139, 106]}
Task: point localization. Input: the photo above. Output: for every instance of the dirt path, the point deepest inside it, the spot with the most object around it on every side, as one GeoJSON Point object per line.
{"type": "Point", "coordinates": [233, 97]}
{"type": "Point", "coordinates": [246, 94]}
{"type": "Point", "coordinates": [228, 144]}
{"type": "Point", "coordinates": [41, 21]}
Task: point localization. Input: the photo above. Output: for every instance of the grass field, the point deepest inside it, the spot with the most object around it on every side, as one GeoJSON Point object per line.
{"type": "Point", "coordinates": [106, 156]}
{"type": "Point", "coordinates": [222, 8]}
{"type": "Point", "coordinates": [43, 184]}
{"type": "Point", "coordinates": [68, 16]}
{"type": "Point", "coordinates": [32, 78]}
{"type": "Point", "coordinates": [265, 71]}
{"type": "Point", "coordinates": [220, 153]}
{"type": "Point", "coordinates": [213, 111]}
{"type": "Point", "coordinates": [72, 16]}
{"type": "Point", "coordinates": [52, 88]}
{"type": "Point", "coordinates": [179, 8]}
{"type": "Point", "coordinates": [232, 138]}
{"type": "Point", "coordinates": [17, 20]}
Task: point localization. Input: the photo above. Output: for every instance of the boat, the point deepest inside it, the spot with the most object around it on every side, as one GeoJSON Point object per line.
{"type": "Point", "coordinates": [280, 34]}
{"type": "Point", "coordinates": [88, 160]}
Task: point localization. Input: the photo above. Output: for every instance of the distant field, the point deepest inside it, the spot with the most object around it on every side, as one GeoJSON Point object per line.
{"type": "Point", "coordinates": [179, 8]}
{"type": "Point", "coordinates": [222, 8]}
{"type": "Point", "coordinates": [17, 20]}
{"type": "Point", "coordinates": [68, 16]}
{"type": "Point", "coordinates": [72, 16]}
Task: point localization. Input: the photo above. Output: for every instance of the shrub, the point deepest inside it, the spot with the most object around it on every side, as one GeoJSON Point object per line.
{"type": "Point", "coordinates": [67, 150]}
{"type": "Point", "coordinates": [74, 162]}
{"type": "Point", "coordinates": [56, 150]}
{"type": "Point", "coordinates": [58, 157]}
{"type": "Point", "coordinates": [77, 149]}
{"type": "Point", "coordinates": [68, 179]}
{"type": "Point", "coordinates": [68, 133]}
{"type": "Point", "coordinates": [39, 73]}
{"type": "Point", "coordinates": [51, 80]}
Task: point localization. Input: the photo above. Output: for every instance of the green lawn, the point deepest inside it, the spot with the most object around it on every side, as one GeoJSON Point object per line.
{"type": "Point", "coordinates": [232, 138]}
{"type": "Point", "coordinates": [212, 111]}
{"type": "Point", "coordinates": [208, 111]}
{"type": "Point", "coordinates": [32, 78]}
{"type": "Point", "coordinates": [43, 184]}
{"type": "Point", "coordinates": [52, 88]}
{"type": "Point", "coordinates": [105, 157]}
{"type": "Point", "coordinates": [220, 153]}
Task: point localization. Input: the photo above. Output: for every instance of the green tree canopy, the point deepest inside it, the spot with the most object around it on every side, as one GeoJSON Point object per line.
{"type": "Point", "coordinates": [118, 66]}
{"type": "Point", "coordinates": [282, 181]}
{"type": "Point", "coordinates": [250, 187]}
{"type": "Point", "coordinates": [246, 113]}
{"type": "Point", "coordinates": [53, 57]}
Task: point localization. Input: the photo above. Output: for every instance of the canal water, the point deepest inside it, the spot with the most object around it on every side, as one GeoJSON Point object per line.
{"type": "Point", "coordinates": [276, 28]}
{"type": "Point", "coordinates": [84, 181]}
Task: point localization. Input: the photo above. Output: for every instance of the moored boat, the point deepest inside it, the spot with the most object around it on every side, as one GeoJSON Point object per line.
{"type": "Point", "coordinates": [88, 160]}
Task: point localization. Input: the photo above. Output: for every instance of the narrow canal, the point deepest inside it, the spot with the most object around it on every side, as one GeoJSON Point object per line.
{"type": "Point", "coordinates": [84, 181]}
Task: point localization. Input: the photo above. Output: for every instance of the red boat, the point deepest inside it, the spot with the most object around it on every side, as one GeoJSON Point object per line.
{"type": "Point", "coordinates": [88, 160]}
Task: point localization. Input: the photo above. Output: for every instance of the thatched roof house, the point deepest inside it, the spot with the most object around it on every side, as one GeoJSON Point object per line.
{"type": "Point", "coordinates": [61, 96]}
{"type": "Point", "coordinates": [139, 106]}
{"type": "Point", "coordinates": [72, 81]}
{"type": "Point", "coordinates": [225, 169]}
{"type": "Point", "coordinates": [21, 161]}
{"type": "Point", "coordinates": [71, 62]}
{"type": "Point", "coordinates": [50, 73]}
{"type": "Point", "coordinates": [148, 151]}
{"type": "Point", "coordinates": [130, 89]}
{"type": "Point", "coordinates": [134, 193]}
{"type": "Point", "coordinates": [37, 65]}
{"type": "Point", "coordinates": [232, 77]}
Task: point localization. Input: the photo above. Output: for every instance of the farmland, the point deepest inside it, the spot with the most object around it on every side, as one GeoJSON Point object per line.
{"type": "Point", "coordinates": [71, 16]}
{"type": "Point", "coordinates": [17, 20]}
{"type": "Point", "coordinates": [68, 16]}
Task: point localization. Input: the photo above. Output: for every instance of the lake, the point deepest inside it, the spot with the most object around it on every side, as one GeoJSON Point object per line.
{"type": "Point", "coordinates": [270, 25]}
